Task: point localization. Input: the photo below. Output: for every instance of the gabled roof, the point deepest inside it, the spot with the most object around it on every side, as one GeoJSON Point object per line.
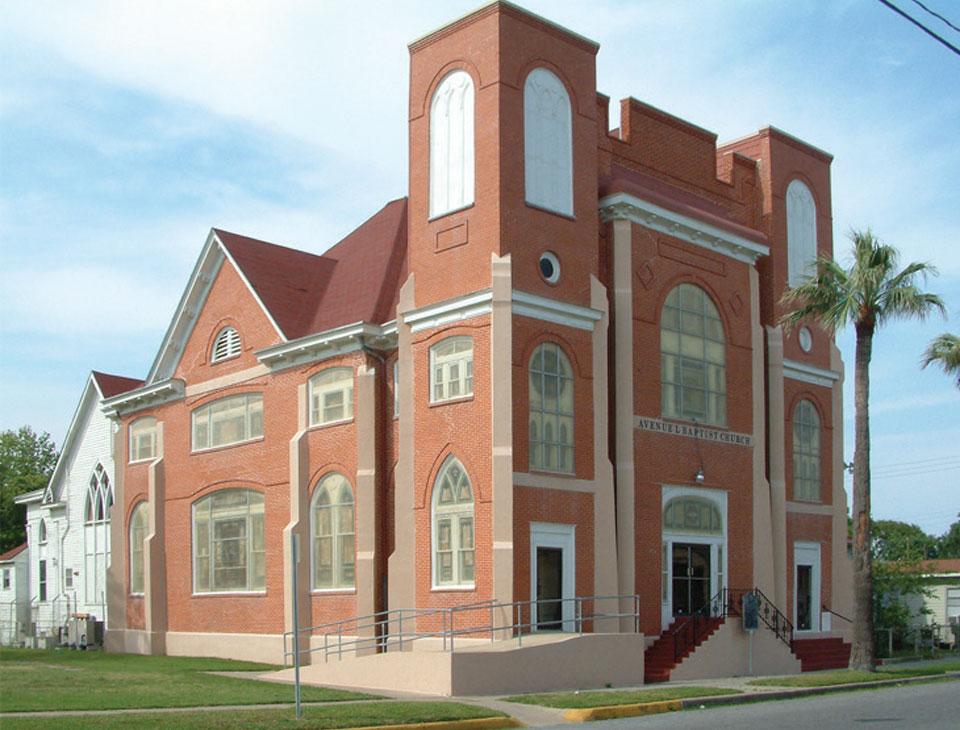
{"type": "Point", "coordinates": [357, 280]}
{"type": "Point", "coordinates": [98, 387]}
{"type": "Point", "coordinates": [939, 567]}
{"type": "Point", "coordinates": [12, 553]}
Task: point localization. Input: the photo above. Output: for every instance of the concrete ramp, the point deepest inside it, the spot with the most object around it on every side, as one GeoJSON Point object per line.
{"type": "Point", "coordinates": [545, 662]}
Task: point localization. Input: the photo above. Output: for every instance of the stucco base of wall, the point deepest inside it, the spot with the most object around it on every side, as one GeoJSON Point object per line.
{"type": "Point", "coordinates": [727, 654]}
{"type": "Point", "coordinates": [127, 641]}
{"type": "Point", "coordinates": [267, 648]}
{"type": "Point", "coordinates": [543, 663]}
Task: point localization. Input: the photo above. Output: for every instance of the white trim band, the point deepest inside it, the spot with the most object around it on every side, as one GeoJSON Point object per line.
{"type": "Point", "coordinates": [552, 310]}
{"type": "Point", "coordinates": [809, 373]}
{"type": "Point", "coordinates": [452, 310]}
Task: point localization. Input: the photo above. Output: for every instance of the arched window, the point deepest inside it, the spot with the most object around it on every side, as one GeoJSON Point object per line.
{"type": "Point", "coordinates": [96, 535]}
{"type": "Point", "coordinates": [333, 527]}
{"type": "Point", "coordinates": [331, 396]}
{"type": "Point", "coordinates": [453, 544]}
{"type": "Point", "coordinates": [226, 345]}
{"type": "Point", "coordinates": [801, 232]}
{"type": "Point", "coordinates": [143, 439]}
{"type": "Point", "coordinates": [547, 142]}
{"type": "Point", "coordinates": [138, 533]}
{"type": "Point", "coordinates": [693, 358]}
{"type": "Point", "coordinates": [451, 369]}
{"type": "Point", "coordinates": [229, 552]}
{"type": "Point", "coordinates": [42, 532]}
{"type": "Point", "coordinates": [806, 452]}
{"type": "Point", "coordinates": [692, 516]}
{"type": "Point", "coordinates": [551, 409]}
{"type": "Point", "coordinates": [228, 421]}
{"type": "Point", "coordinates": [451, 144]}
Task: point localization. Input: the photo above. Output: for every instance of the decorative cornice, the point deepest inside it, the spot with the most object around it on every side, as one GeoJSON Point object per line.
{"type": "Point", "coordinates": [338, 341]}
{"type": "Point", "coordinates": [147, 396]}
{"type": "Point", "coordinates": [452, 310]}
{"type": "Point", "coordinates": [809, 373]}
{"type": "Point", "coordinates": [678, 225]}
{"type": "Point", "coordinates": [553, 310]}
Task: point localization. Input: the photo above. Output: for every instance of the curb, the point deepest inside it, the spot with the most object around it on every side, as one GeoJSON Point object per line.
{"type": "Point", "coordinates": [479, 723]}
{"type": "Point", "coordinates": [610, 712]}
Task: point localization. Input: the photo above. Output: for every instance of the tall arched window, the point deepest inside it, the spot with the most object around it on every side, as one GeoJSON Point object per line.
{"type": "Point", "coordinates": [693, 358]}
{"type": "Point", "coordinates": [547, 142]}
{"type": "Point", "coordinates": [226, 345]}
{"type": "Point", "coordinates": [333, 527]}
{"type": "Point", "coordinates": [96, 535]}
{"type": "Point", "coordinates": [806, 452]}
{"type": "Point", "coordinates": [453, 543]}
{"type": "Point", "coordinates": [551, 409]}
{"type": "Point", "coordinates": [451, 144]}
{"type": "Point", "coordinates": [138, 533]}
{"type": "Point", "coordinates": [42, 532]}
{"type": "Point", "coordinates": [229, 552]}
{"type": "Point", "coordinates": [801, 232]}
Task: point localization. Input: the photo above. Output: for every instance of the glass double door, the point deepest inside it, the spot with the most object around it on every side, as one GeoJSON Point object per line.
{"type": "Point", "coordinates": [690, 577]}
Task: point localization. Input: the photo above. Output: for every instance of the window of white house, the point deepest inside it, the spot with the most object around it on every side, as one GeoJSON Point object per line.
{"type": "Point", "coordinates": [453, 543]}
{"type": "Point", "coordinates": [42, 532]}
{"type": "Point", "coordinates": [451, 144]}
{"type": "Point", "coordinates": [138, 533]}
{"type": "Point", "coordinates": [801, 232]}
{"type": "Point", "coordinates": [451, 369]}
{"type": "Point", "coordinates": [143, 439]}
{"type": "Point", "coordinates": [551, 409]}
{"type": "Point", "coordinates": [96, 535]}
{"type": "Point", "coordinates": [43, 580]}
{"type": "Point", "coordinates": [331, 396]}
{"type": "Point", "coordinates": [806, 452]}
{"type": "Point", "coordinates": [67, 577]}
{"type": "Point", "coordinates": [226, 345]}
{"type": "Point", "coordinates": [953, 601]}
{"type": "Point", "coordinates": [6, 578]}
{"type": "Point", "coordinates": [332, 522]}
{"type": "Point", "coordinates": [693, 358]}
{"type": "Point", "coordinates": [229, 552]}
{"type": "Point", "coordinates": [227, 421]}
{"type": "Point", "coordinates": [547, 142]}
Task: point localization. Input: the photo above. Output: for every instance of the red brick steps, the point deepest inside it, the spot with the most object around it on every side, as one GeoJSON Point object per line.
{"type": "Point", "coordinates": [658, 659]}
{"type": "Point", "coordinates": [815, 654]}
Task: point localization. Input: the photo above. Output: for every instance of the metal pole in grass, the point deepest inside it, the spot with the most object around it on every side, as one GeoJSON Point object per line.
{"type": "Point", "coordinates": [295, 551]}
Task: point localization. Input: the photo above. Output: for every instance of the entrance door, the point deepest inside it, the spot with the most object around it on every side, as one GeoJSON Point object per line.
{"type": "Point", "coordinates": [549, 589]}
{"type": "Point", "coordinates": [806, 586]}
{"type": "Point", "coordinates": [691, 577]}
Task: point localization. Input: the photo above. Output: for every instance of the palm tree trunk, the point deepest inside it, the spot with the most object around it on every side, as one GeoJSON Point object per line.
{"type": "Point", "coordinates": [861, 654]}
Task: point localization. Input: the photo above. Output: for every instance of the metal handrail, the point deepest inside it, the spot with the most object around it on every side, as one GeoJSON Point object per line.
{"type": "Point", "coordinates": [838, 615]}
{"type": "Point", "coordinates": [387, 627]}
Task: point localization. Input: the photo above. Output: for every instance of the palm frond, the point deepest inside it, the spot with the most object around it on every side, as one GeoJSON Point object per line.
{"type": "Point", "coordinates": [945, 352]}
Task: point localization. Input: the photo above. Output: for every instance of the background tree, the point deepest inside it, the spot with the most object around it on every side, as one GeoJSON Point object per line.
{"type": "Point", "coordinates": [945, 352]}
{"type": "Point", "coordinates": [898, 599]}
{"type": "Point", "coordinates": [867, 294]}
{"type": "Point", "coordinates": [949, 542]}
{"type": "Point", "coordinates": [26, 462]}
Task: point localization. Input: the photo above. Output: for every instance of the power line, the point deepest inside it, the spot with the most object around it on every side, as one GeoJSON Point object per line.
{"type": "Point", "coordinates": [931, 460]}
{"type": "Point", "coordinates": [935, 14]}
{"type": "Point", "coordinates": [921, 26]}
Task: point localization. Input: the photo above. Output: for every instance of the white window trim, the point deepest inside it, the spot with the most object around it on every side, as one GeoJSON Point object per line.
{"type": "Point", "coordinates": [563, 537]}
{"type": "Point", "coordinates": [228, 340]}
{"type": "Point", "coordinates": [335, 534]}
{"type": "Point", "coordinates": [463, 359]}
{"type": "Point", "coordinates": [141, 423]}
{"type": "Point", "coordinates": [541, 442]}
{"type": "Point", "coordinates": [249, 547]}
{"type": "Point", "coordinates": [455, 512]}
{"type": "Point", "coordinates": [206, 407]}
{"type": "Point", "coordinates": [451, 184]}
{"type": "Point", "coordinates": [345, 385]}
{"type": "Point", "coordinates": [146, 528]}
{"type": "Point", "coordinates": [797, 496]}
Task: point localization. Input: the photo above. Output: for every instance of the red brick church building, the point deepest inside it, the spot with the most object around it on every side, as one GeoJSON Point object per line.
{"type": "Point", "coordinates": [553, 370]}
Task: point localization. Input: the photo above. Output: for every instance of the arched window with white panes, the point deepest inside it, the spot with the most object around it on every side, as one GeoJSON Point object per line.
{"type": "Point", "coordinates": [96, 535]}
{"type": "Point", "coordinates": [451, 144]}
{"type": "Point", "coordinates": [453, 539]}
{"type": "Point", "coordinates": [451, 369]}
{"type": "Point", "coordinates": [138, 533]}
{"type": "Point", "coordinates": [693, 358]}
{"type": "Point", "coordinates": [806, 452]}
{"type": "Point", "coordinates": [551, 409]}
{"type": "Point", "coordinates": [801, 232]}
{"type": "Point", "coordinates": [333, 534]}
{"type": "Point", "coordinates": [229, 550]}
{"type": "Point", "coordinates": [547, 142]}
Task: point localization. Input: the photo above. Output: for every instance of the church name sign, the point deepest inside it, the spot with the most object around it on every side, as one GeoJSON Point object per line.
{"type": "Point", "coordinates": [682, 429]}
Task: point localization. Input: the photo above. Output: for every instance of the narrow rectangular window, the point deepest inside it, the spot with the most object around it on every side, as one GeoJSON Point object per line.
{"type": "Point", "coordinates": [43, 580]}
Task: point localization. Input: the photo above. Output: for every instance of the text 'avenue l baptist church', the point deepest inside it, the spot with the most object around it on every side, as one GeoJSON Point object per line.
{"type": "Point", "coordinates": [540, 409]}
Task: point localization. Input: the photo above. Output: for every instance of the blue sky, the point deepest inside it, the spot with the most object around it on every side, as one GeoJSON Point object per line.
{"type": "Point", "coordinates": [127, 130]}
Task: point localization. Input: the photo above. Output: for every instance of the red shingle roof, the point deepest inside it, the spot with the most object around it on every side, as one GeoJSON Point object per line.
{"type": "Point", "coordinates": [358, 280]}
{"type": "Point", "coordinates": [14, 552]}
{"type": "Point", "coordinates": [111, 385]}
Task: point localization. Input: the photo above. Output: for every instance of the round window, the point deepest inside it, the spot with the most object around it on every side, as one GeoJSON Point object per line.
{"type": "Point", "coordinates": [805, 338]}
{"type": "Point", "coordinates": [549, 267]}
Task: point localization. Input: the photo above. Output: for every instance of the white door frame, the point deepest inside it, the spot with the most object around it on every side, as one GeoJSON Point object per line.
{"type": "Point", "coordinates": [552, 535]}
{"type": "Point", "coordinates": [808, 553]}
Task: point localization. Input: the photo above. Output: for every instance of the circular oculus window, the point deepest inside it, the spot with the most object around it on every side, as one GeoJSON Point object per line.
{"type": "Point", "coordinates": [805, 338]}
{"type": "Point", "coordinates": [549, 267]}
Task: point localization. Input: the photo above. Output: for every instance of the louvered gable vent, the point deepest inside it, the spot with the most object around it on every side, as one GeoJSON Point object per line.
{"type": "Point", "coordinates": [226, 345]}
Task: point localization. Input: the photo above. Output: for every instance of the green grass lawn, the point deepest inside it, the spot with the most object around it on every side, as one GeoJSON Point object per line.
{"type": "Point", "coordinates": [338, 716]}
{"type": "Point", "coordinates": [848, 676]}
{"type": "Point", "coordinates": [34, 679]}
{"type": "Point", "coordinates": [605, 698]}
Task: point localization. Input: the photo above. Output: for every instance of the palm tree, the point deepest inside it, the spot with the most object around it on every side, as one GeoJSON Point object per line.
{"type": "Point", "coordinates": [945, 351]}
{"type": "Point", "coordinates": [865, 295]}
